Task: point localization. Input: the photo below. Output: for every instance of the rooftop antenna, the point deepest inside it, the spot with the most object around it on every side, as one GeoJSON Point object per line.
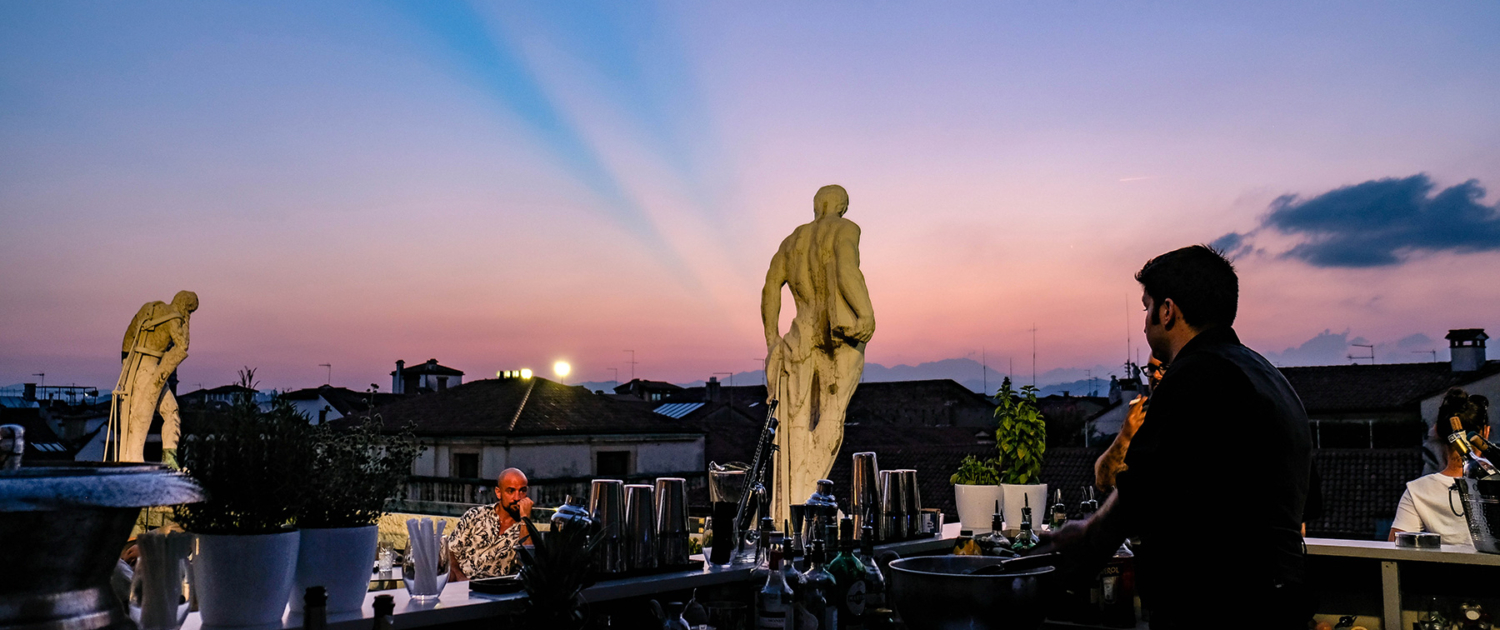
{"type": "Point", "coordinates": [1369, 347]}
{"type": "Point", "coordinates": [616, 380]}
{"type": "Point", "coordinates": [43, 377]}
{"type": "Point", "coordinates": [632, 364]}
{"type": "Point", "coordinates": [760, 364]}
{"type": "Point", "coordinates": [1431, 352]}
{"type": "Point", "coordinates": [984, 370]}
{"type": "Point", "coordinates": [1033, 354]}
{"type": "Point", "coordinates": [330, 372]}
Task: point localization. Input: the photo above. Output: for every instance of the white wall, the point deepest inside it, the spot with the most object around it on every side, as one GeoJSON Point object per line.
{"type": "Point", "coordinates": [311, 408]}
{"type": "Point", "coordinates": [1489, 387]}
{"type": "Point", "coordinates": [567, 456]}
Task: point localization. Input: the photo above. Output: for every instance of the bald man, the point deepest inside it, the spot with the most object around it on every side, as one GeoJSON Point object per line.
{"type": "Point", "coordinates": [485, 540]}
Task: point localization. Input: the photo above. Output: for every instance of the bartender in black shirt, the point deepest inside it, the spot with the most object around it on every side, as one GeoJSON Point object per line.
{"type": "Point", "coordinates": [1216, 478]}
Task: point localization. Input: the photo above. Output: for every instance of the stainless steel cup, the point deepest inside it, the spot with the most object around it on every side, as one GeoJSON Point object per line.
{"type": "Point", "coordinates": [796, 536]}
{"type": "Point", "coordinates": [640, 526]}
{"type": "Point", "coordinates": [864, 492]}
{"type": "Point", "coordinates": [912, 494]}
{"type": "Point", "coordinates": [672, 521]}
{"type": "Point", "coordinates": [607, 505]}
{"type": "Point", "coordinates": [894, 521]}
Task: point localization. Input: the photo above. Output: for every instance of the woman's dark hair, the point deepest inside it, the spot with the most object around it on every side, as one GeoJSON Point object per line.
{"type": "Point", "coordinates": [1199, 280]}
{"type": "Point", "coordinates": [1472, 413]}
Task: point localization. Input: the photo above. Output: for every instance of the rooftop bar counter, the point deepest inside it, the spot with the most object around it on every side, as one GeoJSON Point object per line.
{"type": "Point", "coordinates": [1378, 581]}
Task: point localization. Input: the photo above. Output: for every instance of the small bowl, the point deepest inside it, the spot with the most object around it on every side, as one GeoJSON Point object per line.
{"type": "Point", "coordinates": [933, 593]}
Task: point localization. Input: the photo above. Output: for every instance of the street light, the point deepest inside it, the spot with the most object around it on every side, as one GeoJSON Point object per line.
{"type": "Point", "coordinates": [561, 368]}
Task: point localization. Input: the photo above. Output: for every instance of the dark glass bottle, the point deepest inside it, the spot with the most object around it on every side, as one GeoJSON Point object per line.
{"type": "Point", "coordinates": [1089, 505]}
{"type": "Point", "coordinates": [773, 602]}
{"type": "Point", "coordinates": [994, 542]}
{"type": "Point", "coordinates": [818, 612]}
{"type": "Point", "coordinates": [385, 612]}
{"type": "Point", "coordinates": [849, 574]}
{"type": "Point", "coordinates": [1117, 590]}
{"type": "Point", "coordinates": [1059, 512]}
{"type": "Point", "coordinates": [1026, 539]}
{"type": "Point", "coordinates": [874, 580]}
{"type": "Point", "coordinates": [315, 608]}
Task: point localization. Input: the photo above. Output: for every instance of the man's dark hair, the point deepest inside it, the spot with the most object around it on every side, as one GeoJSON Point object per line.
{"type": "Point", "coordinates": [1199, 279]}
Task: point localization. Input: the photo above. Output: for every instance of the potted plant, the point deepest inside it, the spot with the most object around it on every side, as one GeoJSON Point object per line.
{"type": "Point", "coordinates": [252, 465]}
{"type": "Point", "coordinates": [554, 571]}
{"type": "Point", "coordinates": [355, 469]}
{"type": "Point", "coordinates": [1022, 439]}
{"type": "Point", "coordinates": [976, 488]}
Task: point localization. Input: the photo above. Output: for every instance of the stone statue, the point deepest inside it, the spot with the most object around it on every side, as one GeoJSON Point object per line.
{"type": "Point", "coordinates": [813, 370]}
{"type": "Point", "coordinates": [155, 344]}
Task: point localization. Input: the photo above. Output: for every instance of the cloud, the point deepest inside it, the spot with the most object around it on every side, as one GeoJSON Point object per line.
{"type": "Point", "coordinates": [1326, 348]}
{"type": "Point", "coordinates": [1233, 244]}
{"type": "Point", "coordinates": [1383, 222]}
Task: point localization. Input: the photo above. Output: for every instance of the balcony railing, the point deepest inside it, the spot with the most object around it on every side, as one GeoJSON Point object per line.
{"type": "Point", "coordinates": [452, 496]}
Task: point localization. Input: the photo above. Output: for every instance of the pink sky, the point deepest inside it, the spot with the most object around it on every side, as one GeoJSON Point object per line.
{"type": "Point", "coordinates": [353, 188]}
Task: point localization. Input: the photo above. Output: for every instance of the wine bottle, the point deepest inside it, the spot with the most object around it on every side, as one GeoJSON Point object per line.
{"type": "Point", "coordinates": [994, 542]}
{"type": "Point", "coordinates": [1475, 467]}
{"type": "Point", "coordinates": [849, 574]}
{"type": "Point", "coordinates": [1089, 505]}
{"type": "Point", "coordinates": [817, 612]}
{"type": "Point", "coordinates": [874, 580]}
{"type": "Point", "coordinates": [773, 603]}
{"type": "Point", "coordinates": [1026, 539]}
{"type": "Point", "coordinates": [1059, 512]}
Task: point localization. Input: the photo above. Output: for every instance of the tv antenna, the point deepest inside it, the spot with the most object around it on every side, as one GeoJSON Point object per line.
{"type": "Point", "coordinates": [632, 364]}
{"type": "Point", "coordinates": [616, 380]}
{"type": "Point", "coordinates": [330, 372]}
{"type": "Point", "coordinates": [1371, 348]}
{"type": "Point", "coordinates": [1033, 354]}
{"type": "Point", "coordinates": [1431, 352]}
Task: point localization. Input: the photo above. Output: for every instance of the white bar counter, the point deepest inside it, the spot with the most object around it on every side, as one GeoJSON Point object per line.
{"type": "Point", "coordinates": [1391, 558]}
{"type": "Point", "coordinates": [457, 604]}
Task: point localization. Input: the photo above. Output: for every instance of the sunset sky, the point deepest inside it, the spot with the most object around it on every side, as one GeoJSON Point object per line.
{"type": "Point", "coordinates": [499, 185]}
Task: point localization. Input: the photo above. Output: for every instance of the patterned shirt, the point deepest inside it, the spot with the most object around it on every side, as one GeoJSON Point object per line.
{"type": "Point", "coordinates": [480, 548]}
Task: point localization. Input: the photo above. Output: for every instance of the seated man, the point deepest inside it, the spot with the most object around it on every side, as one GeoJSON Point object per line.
{"type": "Point", "coordinates": [1428, 505]}
{"type": "Point", "coordinates": [485, 540]}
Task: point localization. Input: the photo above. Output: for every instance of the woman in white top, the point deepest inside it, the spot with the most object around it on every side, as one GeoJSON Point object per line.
{"type": "Point", "coordinates": [1430, 504]}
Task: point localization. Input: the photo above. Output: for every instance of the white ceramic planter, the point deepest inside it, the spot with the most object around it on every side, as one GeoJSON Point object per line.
{"type": "Point", "coordinates": [976, 505]}
{"type": "Point", "coordinates": [339, 560]}
{"type": "Point", "coordinates": [244, 580]}
{"type": "Point", "coordinates": [1016, 496]}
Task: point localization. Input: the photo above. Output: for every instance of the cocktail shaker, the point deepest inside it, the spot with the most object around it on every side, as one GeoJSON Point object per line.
{"type": "Point", "coordinates": [864, 491]}
{"type": "Point", "coordinates": [640, 526]}
{"type": "Point", "coordinates": [912, 495]}
{"type": "Point", "coordinates": [607, 504]}
{"type": "Point", "coordinates": [671, 521]}
{"type": "Point", "coordinates": [893, 522]}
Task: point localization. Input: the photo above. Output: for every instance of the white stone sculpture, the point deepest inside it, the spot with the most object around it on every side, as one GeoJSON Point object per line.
{"type": "Point", "coordinates": [812, 370]}
{"type": "Point", "coordinates": [155, 344]}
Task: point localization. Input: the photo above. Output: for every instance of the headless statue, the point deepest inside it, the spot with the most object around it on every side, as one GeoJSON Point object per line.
{"type": "Point", "coordinates": [812, 370]}
{"type": "Point", "coordinates": [155, 344]}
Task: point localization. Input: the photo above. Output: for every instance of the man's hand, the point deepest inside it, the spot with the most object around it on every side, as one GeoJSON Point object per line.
{"type": "Point", "coordinates": [1135, 416]}
{"type": "Point", "coordinates": [523, 507]}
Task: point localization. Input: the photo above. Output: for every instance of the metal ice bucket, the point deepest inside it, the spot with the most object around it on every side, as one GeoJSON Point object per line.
{"type": "Point", "coordinates": [864, 492]}
{"type": "Point", "coordinates": [607, 504]}
{"type": "Point", "coordinates": [640, 527]}
{"type": "Point", "coordinates": [672, 521]}
{"type": "Point", "coordinates": [934, 593]}
{"type": "Point", "coordinates": [1482, 511]}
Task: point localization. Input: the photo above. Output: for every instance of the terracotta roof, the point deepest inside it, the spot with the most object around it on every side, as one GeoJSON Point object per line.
{"type": "Point", "coordinates": [1361, 488]}
{"type": "Point", "coordinates": [513, 407]}
{"type": "Point", "coordinates": [1387, 387]}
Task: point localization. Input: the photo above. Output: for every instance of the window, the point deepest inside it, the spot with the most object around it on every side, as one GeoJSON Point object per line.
{"type": "Point", "coordinates": [612, 463]}
{"type": "Point", "coordinates": [465, 465]}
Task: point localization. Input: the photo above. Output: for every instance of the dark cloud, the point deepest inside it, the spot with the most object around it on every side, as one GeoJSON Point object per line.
{"type": "Point", "coordinates": [1382, 222]}
{"type": "Point", "coordinates": [1232, 245]}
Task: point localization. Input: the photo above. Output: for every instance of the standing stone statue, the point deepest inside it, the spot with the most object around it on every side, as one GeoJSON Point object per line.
{"type": "Point", "coordinates": [155, 344]}
{"type": "Point", "coordinates": [812, 370]}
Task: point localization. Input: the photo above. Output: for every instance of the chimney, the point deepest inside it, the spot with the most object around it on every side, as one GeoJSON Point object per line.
{"type": "Point", "coordinates": [28, 392]}
{"type": "Point", "coordinates": [396, 380]}
{"type": "Point", "coordinates": [1466, 348]}
{"type": "Point", "coordinates": [712, 389]}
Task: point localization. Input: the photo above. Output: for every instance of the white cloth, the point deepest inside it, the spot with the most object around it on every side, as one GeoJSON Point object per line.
{"type": "Point", "coordinates": [1425, 507]}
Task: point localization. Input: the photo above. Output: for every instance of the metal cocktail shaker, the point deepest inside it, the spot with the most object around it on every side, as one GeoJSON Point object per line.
{"type": "Point", "coordinates": [671, 521]}
{"type": "Point", "coordinates": [893, 521]}
{"type": "Point", "coordinates": [912, 495]}
{"type": "Point", "coordinates": [607, 504]}
{"type": "Point", "coordinates": [864, 492]}
{"type": "Point", "coordinates": [640, 526]}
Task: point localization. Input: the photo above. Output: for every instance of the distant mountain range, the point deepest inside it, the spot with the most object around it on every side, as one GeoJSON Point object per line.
{"type": "Point", "coordinates": [967, 372]}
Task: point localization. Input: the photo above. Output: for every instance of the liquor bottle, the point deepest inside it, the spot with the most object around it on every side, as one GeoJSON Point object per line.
{"type": "Point", "coordinates": [1059, 512]}
{"type": "Point", "coordinates": [1026, 539]}
{"type": "Point", "coordinates": [1089, 505]}
{"type": "Point", "coordinates": [994, 542]}
{"type": "Point", "coordinates": [385, 612]}
{"type": "Point", "coordinates": [849, 574]}
{"type": "Point", "coordinates": [874, 581]}
{"type": "Point", "coordinates": [818, 610]}
{"type": "Point", "coordinates": [1475, 467]}
{"type": "Point", "coordinates": [773, 603]}
{"type": "Point", "coordinates": [964, 545]}
{"type": "Point", "coordinates": [1117, 590]}
{"type": "Point", "coordinates": [315, 608]}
